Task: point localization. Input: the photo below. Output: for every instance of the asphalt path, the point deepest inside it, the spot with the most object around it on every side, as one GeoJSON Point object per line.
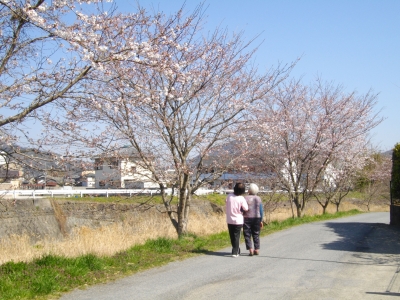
{"type": "Point", "coordinates": [356, 257]}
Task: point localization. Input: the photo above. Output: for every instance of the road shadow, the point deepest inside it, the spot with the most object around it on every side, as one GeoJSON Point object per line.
{"type": "Point", "coordinates": [219, 253]}
{"type": "Point", "coordinates": [383, 294]}
{"type": "Point", "coordinates": [214, 253]}
{"type": "Point", "coordinates": [377, 238]}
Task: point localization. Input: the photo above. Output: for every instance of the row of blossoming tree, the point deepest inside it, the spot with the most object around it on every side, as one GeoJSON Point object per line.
{"type": "Point", "coordinates": [314, 140]}
{"type": "Point", "coordinates": [100, 80]}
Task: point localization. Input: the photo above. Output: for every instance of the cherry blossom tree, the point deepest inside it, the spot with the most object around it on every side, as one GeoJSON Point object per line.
{"type": "Point", "coordinates": [39, 61]}
{"type": "Point", "coordinates": [53, 53]}
{"type": "Point", "coordinates": [300, 130]}
{"type": "Point", "coordinates": [186, 101]}
{"type": "Point", "coordinates": [373, 181]}
{"type": "Point", "coordinates": [338, 180]}
{"type": "Point", "coordinates": [42, 60]}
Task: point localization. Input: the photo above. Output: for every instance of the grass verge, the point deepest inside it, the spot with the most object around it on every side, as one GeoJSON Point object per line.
{"type": "Point", "coordinates": [52, 275]}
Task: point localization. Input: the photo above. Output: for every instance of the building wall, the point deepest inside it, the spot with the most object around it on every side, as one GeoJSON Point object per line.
{"type": "Point", "coordinates": [106, 177]}
{"type": "Point", "coordinates": [90, 182]}
{"type": "Point", "coordinates": [10, 174]}
{"type": "Point", "coordinates": [134, 176]}
{"type": "Point", "coordinates": [126, 174]}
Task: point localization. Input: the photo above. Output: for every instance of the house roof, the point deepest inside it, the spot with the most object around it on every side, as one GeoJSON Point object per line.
{"type": "Point", "coordinates": [122, 152]}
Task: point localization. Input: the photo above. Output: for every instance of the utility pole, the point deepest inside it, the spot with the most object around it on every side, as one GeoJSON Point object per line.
{"type": "Point", "coordinates": [45, 174]}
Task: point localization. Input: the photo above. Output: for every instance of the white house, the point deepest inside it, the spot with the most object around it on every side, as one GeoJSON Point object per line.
{"type": "Point", "coordinates": [122, 171]}
{"type": "Point", "coordinates": [330, 177]}
{"type": "Point", "coordinates": [88, 179]}
{"type": "Point", "coordinates": [10, 173]}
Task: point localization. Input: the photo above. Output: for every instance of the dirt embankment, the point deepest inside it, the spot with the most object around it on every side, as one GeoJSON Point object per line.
{"type": "Point", "coordinates": [56, 219]}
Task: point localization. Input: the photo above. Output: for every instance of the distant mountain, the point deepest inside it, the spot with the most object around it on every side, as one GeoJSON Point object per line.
{"type": "Point", "coordinates": [388, 153]}
{"type": "Point", "coordinates": [34, 162]}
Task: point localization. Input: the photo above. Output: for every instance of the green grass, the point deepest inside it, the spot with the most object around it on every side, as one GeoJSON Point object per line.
{"type": "Point", "coordinates": [126, 199]}
{"type": "Point", "coordinates": [276, 226]}
{"type": "Point", "coordinates": [218, 199]}
{"type": "Point", "coordinates": [355, 194]}
{"type": "Point", "coordinates": [52, 275]}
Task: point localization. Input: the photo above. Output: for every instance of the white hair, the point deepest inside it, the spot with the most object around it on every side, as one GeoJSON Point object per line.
{"type": "Point", "coordinates": [253, 189]}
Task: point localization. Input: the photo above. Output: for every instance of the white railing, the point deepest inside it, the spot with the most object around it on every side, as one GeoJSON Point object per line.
{"type": "Point", "coordinates": [82, 192]}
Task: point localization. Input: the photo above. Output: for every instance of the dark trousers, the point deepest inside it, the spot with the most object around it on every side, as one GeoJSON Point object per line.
{"type": "Point", "coordinates": [234, 234]}
{"type": "Point", "coordinates": [251, 229]}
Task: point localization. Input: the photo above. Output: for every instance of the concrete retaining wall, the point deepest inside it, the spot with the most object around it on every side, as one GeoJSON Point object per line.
{"type": "Point", "coordinates": [55, 219]}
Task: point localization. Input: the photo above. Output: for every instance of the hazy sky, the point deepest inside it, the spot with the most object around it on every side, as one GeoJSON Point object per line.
{"type": "Point", "coordinates": [352, 43]}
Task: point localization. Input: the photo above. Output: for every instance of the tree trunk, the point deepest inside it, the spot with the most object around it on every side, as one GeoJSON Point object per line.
{"type": "Point", "coordinates": [168, 207]}
{"type": "Point", "coordinates": [291, 206]}
{"type": "Point", "coordinates": [296, 201]}
{"type": "Point", "coordinates": [179, 218]}
{"type": "Point", "coordinates": [185, 221]}
{"type": "Point", "coordinates": [299, 211]}
{"type": "Point", "coordinates": [184, 205]}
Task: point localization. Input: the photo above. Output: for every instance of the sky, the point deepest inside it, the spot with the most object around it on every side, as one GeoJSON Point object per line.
{"type": "Point", "coordinates": [353, 43]}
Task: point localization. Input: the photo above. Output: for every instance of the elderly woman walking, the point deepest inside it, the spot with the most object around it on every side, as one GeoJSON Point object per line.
{"type": "Point", "coordinates": [253, 220]}
{"type": "Point", "coordinates": [235, 205]}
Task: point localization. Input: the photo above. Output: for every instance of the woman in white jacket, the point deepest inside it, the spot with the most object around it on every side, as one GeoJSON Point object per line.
{"type": "Point", "coordinates": [253, 220]}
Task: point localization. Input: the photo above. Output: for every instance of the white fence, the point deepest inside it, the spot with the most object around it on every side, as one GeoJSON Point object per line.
{"type": "Point", "coordinates": [14, 194]}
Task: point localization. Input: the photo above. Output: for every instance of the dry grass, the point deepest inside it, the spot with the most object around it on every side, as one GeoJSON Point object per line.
{"type": "Point", "coordinates": [135, 230]}
{"type": "Point", "coordinates": [107, 240]}
{"type": "Point", "coordinates": [313, 208]}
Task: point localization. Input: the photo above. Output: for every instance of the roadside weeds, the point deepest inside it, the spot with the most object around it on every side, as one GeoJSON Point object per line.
{"type": "Point", "coordinates": [51, 275]}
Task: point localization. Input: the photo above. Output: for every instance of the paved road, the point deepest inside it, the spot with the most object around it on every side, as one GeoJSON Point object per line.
{"type": "Point", "coordinates": [351, 258]}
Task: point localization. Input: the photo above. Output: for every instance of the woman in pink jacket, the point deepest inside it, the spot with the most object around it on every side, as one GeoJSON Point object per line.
{"type": "Point", "coordinates": [235, 205]}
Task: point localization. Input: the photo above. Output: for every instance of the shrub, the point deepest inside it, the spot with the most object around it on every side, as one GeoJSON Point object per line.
{"type": "Point", "coordinates": [395, 178]}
